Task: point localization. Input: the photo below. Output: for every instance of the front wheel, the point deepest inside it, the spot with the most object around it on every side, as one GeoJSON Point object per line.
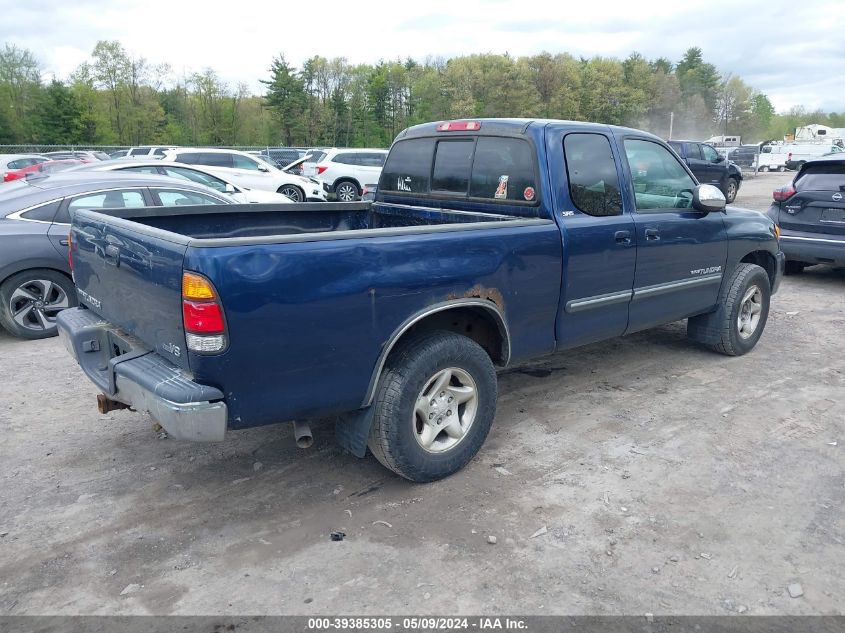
{"type": "Point", "coordinates": [293, 192]}
{"type": "Point", "coordinates": [434, 406]}
{"type": "Point", "coordinates": [737, 324]}
{"type": "Point", "coordinates": [31, 300]}
{"type": "Point", "coordinates": [346, 191]}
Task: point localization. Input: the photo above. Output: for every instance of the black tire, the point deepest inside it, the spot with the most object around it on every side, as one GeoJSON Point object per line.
{"type": "Point", "coordinates": [409, 372]}
{"type": "Point", "coordinates": [30, 301]}
{"type": "Point", "coordinates": [720, 330]}
{"type": "Point", "coordinates": [764, 168]}
{"type": "Point", "coordinates": [781, 168]}
{"type": "Point", "coordinates": [731, 189]}
{"type": "Point", "coordinates": [347, 191]}
{"type": "Point", "coordinates": [293, 192]}
{"type": "Point", "coordinates": [792, 267]}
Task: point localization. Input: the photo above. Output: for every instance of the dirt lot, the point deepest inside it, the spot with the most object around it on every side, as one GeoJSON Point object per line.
{"type": "Point", "coordinates": [665, 479]}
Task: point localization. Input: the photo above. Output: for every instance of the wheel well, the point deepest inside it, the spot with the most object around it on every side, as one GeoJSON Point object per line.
{"type": "Point", "coordinates": [23, 270]}
{"type": "Point", "coordinates": [346, 179]}
{"type": "Point", "coordinates": [479, 322]}
{"type": "Point", "coordinates": [765, 260]}
{"type": "Point", "coordinates": [290, 184]}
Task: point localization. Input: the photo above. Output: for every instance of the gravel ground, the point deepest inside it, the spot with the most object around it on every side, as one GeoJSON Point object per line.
{"type": "Point", "coordinates": [643, 474]}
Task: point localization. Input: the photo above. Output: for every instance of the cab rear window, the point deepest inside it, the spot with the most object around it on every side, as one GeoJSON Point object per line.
{"type": "Point", "coordinates": [486, 167]}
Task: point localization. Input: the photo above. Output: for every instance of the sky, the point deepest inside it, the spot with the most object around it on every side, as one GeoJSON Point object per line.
{"type": "Point", "coordinates": [791, 50]}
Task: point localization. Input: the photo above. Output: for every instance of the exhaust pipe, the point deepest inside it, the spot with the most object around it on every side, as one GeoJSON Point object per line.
{"type": "Point", "coordinates": [302, 433]}
{"type": "Point", "coordinates": [106, 404]}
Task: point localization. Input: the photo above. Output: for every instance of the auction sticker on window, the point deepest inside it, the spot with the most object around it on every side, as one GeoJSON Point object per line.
{"type": "Point", "coordinates": [528, 194]}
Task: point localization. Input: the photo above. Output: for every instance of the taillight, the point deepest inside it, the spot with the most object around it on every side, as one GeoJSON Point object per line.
{"type": "Point", "coordinates": [202, 315]}
{"type": "Point", "coordinates": [321, 169]}
{"type": "Point", "coordinates": [784, 193]}
{"type": "Point", "coordinates": [70, 251]}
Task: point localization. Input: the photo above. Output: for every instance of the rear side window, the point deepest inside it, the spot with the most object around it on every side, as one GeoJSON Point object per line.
{"type": "Point", "coordinates": [591, 170]}
{"type": "Point", "coordinates": [346, 159]}
{"type": "Point", "coordinates": [503, 169]}
{"type": "Point", "coordinates": [822, 178]}
{"type": "Point", "coordinates": [452, 163]}
{"type": "Point", "coordinates": [408, 166]}
{"type": "Point", "coordinates": [372, 159]}
{"type": "Point", "coordinates": [188, 159]}
{"type": "Point", "coordinates": [44, 212]}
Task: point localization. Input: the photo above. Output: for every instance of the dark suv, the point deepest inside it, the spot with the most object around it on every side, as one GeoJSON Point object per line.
{"type": "Point", "coordinates": [811, 214]}
{"type": "Point", "coordinates": [709, 167]}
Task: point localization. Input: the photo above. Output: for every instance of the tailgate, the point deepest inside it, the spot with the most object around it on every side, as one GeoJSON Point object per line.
{"type": "Point", "coordinates": [131, 275]}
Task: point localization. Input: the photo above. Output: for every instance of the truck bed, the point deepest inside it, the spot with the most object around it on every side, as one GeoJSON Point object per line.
{"type": "Point", "coordinates": [285, 222]}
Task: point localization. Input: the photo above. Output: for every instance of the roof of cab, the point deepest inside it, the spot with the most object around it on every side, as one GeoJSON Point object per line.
{"type": "Point", "coordinates": [515, 127]}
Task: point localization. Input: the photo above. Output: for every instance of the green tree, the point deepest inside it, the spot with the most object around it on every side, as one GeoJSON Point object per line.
{"type": "Point", "coordinates": [286, 99]}
{"type": "Point", "coordinates": [59, 117]}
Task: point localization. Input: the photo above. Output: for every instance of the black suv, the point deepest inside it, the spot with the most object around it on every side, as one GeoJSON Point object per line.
{"type": "Point", "coordinates": [811, 214]}
{"type": "Point", "coordinates": [709, 167]}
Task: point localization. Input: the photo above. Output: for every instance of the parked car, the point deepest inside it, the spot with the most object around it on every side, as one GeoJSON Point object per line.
{"type": "Point", "coordinates": [282, 155]}
{"type": "Point", "coordinates": [489, 243]}
{"type": "Point", "coordinates": [811, 214]}
{"type": "Point", "coordinates": [35, 281]}
{"type": "Point", "coordinates": [46, 167]}
{"type": "Point", "coordinates": [79, 155]}
{"type": "Point", "coordinates": [13, 162]}
{"type": "Point", "coordinates": [799, 153]}
{"type": "Point", "coordinates": [149, 151]}
{"type": "Point", "coordinates": [193, 173]}
{"type": "Point", "coordinates": [709, 167]}
{"type": "Point", "coordinates": [744, 155]}
{"type": "Point", "coordinates": [343, 172]}
{"type": "Point", "coordinates": [249, 171]}
{"type": "Point", "coordinates": [121, 153]}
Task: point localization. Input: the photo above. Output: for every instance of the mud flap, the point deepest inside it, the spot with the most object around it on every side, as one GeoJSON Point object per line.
{"type": "Point", "coordinates": [706, 328]}
{"type": "Point", "coordinates": [352, 430]}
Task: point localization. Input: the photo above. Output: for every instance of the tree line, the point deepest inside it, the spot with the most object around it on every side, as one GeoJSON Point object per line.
{"type": "Point", "coordinates": [119, 99]}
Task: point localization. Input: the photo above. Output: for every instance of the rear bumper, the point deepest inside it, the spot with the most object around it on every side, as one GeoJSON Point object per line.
{"type": "Point", "coordinates": [813, 250]}
{"type": "Point", "coordinates": [129, 373]}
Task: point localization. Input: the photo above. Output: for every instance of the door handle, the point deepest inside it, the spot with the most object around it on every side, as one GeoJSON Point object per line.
{"type": "Point", "coordinates": [622, 237]}
{"type": "Point", "coordinates": [652, 234]}
{"type": "Point", "coordinates": [63, 242]}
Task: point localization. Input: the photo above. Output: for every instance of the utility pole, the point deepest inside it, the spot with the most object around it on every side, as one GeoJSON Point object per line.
{"type": "Point", "coordinates": [671, 124]}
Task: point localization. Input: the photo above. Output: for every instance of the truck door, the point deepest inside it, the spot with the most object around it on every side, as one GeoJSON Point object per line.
{"type": "Point", "coordinates": [599, 250]}
{"type": "Point", "coordinates": [681, 252]}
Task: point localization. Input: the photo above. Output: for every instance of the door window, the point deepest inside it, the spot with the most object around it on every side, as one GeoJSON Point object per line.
{"type": "Point", "coordinates": [242, 162]}
{"type": "Point", "coordinates": [709, 154]}
{"type": "Point", "coordinates": [195, 176]}
{"type": "Point", "coordinates": [660, 182]}
{"type": "Point", "coordinates": [593, 179]}
{"type": "Point", "coordinates": [130, 199]}
{"type": "Point", "coordinates": [175, 197]}
{"type": "Point", "coordinates": [694, 151]}
{"type": "Point", "coordinates": [143, 170]}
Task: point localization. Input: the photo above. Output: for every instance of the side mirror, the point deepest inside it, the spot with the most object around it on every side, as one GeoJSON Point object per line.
{"type": "Point", "coordinates": [263, 168]}
{"type": "Point", "coordinates": [719, 159]}
{"type": "Point", "coordinates": [708, 198]}
{"type": "Point", "coordinates": [230, 188]}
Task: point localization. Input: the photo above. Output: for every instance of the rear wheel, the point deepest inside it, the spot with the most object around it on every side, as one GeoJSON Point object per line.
{"type": "Point", "coordinates": [781, 168]}
{"type": "Point", "coordinates": [434, 406]}
{"type": "Point", "coordinates": [764, 168]}
{"type": "Point", "coordinates": [347, 191]}
{"type": "Point", "coordinates": [731, 190]}
{"type": "Point", "coordinates": [293, 192]}
{"type": "Point", "coordinates": [31, 300]}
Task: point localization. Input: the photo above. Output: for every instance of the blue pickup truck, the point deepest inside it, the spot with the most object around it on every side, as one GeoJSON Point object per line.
{"type": "Point", "coordinates": [489, 243]}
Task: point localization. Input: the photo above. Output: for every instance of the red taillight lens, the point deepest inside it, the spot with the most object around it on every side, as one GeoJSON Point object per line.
{"type": "Point", "coordinates": [784, 193]}
{"type": "Point", "coordinates": [202, 318]}
{"type": "Point", "coordinates": [70, 250]}
{"type": "Point", "coordinates": [321, 169]}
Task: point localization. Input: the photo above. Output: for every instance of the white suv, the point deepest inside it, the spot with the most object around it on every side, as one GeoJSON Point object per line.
{"type": "Point", "coordinates": [344, 172]}
{"type": "Point", "coordinates": [249, 171]}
